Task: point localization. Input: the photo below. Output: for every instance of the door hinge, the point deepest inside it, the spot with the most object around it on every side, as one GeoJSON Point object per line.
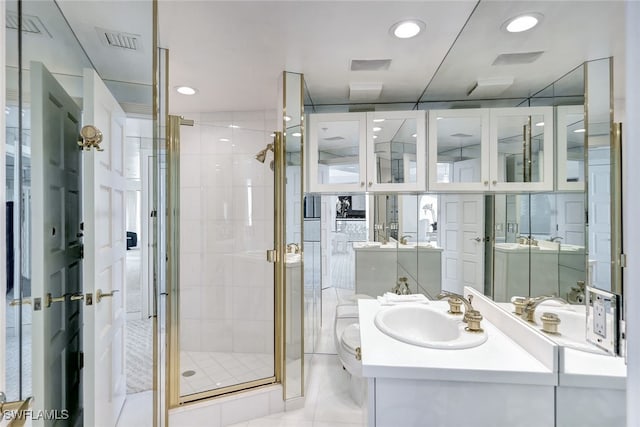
{"type": "Point", "coordinates": [81, 251]}
{"type": "Point", "coordinates": [623, 260]}
{"type": "Point", "coordinates": [80, 360]}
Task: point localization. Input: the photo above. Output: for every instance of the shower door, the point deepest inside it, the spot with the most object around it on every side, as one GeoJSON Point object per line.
{"type": "Point", "coordinates": [221, 225]}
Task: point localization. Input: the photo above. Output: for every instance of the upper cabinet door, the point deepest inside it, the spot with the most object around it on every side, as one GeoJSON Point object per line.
{"type": "Point", "coordinates": [570, 133]}
{"type": "Point", "coordinates": [337, 152]}
{"type": "Point", "coordinates": [521, 149]}
{"type": "Point", "coordinates": [459, 150]}
{"type": "Point", "coordinates": [396, 151]}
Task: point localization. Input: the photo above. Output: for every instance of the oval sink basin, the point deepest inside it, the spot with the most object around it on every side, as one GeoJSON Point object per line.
{"type": "Point", "coordinates": [427, 327]}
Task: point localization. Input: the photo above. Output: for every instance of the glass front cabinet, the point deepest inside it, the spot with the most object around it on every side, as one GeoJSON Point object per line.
{"type": "Point", "coordinates": [372, 151]}
{"type": "Point", "coordinates": [495, 149]}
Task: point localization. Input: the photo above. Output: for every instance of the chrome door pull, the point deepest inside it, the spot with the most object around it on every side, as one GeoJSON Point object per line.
{"type": "Point", "coordinates": [100, 294]}
{"type": "Point", "coordinates": [19, 302]}
{"type": "Point", "coordinates": [77, 297]}
{"type": "Point", "coordinates": [50, 299]}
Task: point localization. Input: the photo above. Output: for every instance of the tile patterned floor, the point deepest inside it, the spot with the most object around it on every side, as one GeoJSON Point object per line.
{"type": "Point", "coordinates": [213, 370]}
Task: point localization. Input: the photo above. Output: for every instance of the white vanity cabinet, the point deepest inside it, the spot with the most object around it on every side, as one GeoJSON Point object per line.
{"type": "Point", "coordinates": [496, 149]}
{"type": "Point", "coordinates": [373, 151]}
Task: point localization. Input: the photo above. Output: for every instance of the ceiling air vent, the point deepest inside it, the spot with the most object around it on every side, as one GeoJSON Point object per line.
{"type": "Point", "coordinates": [517, 58]}
{"type": "Point", "coordinates": [370, 64]}
{"type": "Point", "coordinates": [461, 135]}
{"type": "Point", "coordinates": [334, 138]}
{"type": "Point", "coordinates": [489, 87]}
{"type": "Point", "coordinates": [364, 92]}
{"type": "Point", "coordinates": [120, 40]}
{"type": "Point", "coordinates": [30, 24]}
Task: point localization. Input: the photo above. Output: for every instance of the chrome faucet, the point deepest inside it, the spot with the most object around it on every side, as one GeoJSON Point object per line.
{"type": "Point", "coordinates": [471, 317]}
{"type": "Point", "coordinates": [293, 248]}
{"type": "Point", "coordinates": [555, 239]}
{"type": "Point", "coordinates": [532, 303]}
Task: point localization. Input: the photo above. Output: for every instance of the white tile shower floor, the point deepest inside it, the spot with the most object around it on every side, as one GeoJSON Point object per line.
{"type": "Point", "coordinates": [212, 370]}
{"type": "Point", "coordinates": [327, 403]}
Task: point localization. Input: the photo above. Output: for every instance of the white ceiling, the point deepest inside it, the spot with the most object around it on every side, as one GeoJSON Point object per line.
{"type": "Point", "coordinates": [234, 51]}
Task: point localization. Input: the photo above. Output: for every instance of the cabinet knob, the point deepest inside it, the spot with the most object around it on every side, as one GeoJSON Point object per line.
{"type": "Point", "coordinates": [494, 182]}
{"type": "Point", "coordinates": [370, 183]}
{"type": "Point", "coordinates": [361, 183]}
{"type": "Point", "coordinates": [486, 183]}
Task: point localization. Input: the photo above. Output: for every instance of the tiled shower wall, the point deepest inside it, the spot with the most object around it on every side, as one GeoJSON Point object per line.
{"type": "Point", "coordinates": [226, 226]}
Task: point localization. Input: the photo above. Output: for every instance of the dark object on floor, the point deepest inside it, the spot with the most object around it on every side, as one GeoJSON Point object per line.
{"type": "Point", "coordinates": [132, 239]}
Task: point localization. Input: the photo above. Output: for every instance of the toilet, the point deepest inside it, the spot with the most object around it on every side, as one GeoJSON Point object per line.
{"type": "Point", "coordinates": [347, 340]}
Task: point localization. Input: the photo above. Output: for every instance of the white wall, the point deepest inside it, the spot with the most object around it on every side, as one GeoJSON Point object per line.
{"type": "Point", "coordinates": [226, 226]}
{"type": "Point", "coordinates": [631, 207]}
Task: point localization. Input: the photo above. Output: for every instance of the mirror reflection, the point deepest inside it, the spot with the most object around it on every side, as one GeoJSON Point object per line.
{"type": "Point", "coordinates": [458, 149]}
{"type": "Point", "coordinates": [520, 144]}
{"type": "Point", "coordinates": [395, 150]}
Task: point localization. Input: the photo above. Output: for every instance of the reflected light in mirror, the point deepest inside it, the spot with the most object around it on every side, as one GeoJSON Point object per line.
{"type": "Point", "coordinates": [579, 131]}
{"type": "Point", "coordinates": [377, 128]}
{"type": "Point", "coordinates": [186, 90]}
{"type": "Point", "coordinates": [539, 124]}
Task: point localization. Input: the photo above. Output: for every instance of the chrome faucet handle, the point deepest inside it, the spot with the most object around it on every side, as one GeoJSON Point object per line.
{"type": "Point", "coordinates": [455, 300]}
{"type": "Point", "coordinates": [530, 308]}
{"type": "Point", "coordinates": [473, 319]}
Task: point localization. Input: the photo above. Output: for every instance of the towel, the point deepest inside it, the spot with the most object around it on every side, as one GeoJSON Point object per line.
{"type": "Point", "coordinates": [390, 298]}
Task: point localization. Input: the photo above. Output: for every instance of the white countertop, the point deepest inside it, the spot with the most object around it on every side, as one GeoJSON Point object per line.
{"type": "Point", "coordinates": [377, 246]}
{"type": "Point", "coordinates": [582, 368]}
{"type": "Point", "coordinates": [498, 360]}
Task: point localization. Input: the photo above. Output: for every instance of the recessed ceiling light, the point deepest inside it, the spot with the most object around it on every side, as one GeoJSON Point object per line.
{"type": "Point", "coordinates": [375, 136]}
{"type": "Point", "coordinates": [234, 126]}
{"type": "Point", "coordinates": [415, 135]}
{"type": "Point", "coordinates": [377, 128]}
{"type": "Point", "coordinates": [186, 90]}
{"type": "Point", "coordinates": [540, 124]}
{"type": "Point", "coordinates": [407, 29]}
{"type": "Point", "coordinates": [438, 118]}
{"type": "Point", "coordinates": [224, 140]}
{"type": "Point", "coordinates": [378, 120]}
{"type": "Point", "coordinates": [522, 22]}
{"type": "Point", "coordinates": [579, 131]}
{"type": "Point", "coordinates": [296, 134]}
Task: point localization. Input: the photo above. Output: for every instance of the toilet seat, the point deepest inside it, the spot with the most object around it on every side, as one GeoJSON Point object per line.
{"type": "Point", "coordinates": [350, 339]}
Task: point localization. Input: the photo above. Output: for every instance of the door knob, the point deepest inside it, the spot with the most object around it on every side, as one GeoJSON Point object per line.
{"type": "Point", "coordinates": [49, 299]}
{"type": "Point", "coordinates": [100, 294]}
{"type": "Point", "coordinates": [477, 239]}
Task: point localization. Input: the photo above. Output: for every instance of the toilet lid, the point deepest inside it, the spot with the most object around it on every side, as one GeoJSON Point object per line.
{"type": "Point", "coordinates": [351, 337]}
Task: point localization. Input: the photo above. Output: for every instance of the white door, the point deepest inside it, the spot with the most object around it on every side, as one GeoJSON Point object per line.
{"type": "Point", "coordinates": [600, 218]}
{"type": "Point", "coordinates": [105, 253]}
{"type": "Point", "coordinates": [462, 220]}
{"type": "Point", "coordinates": [56, 248]}
{"type": "Point", "coordinates": [571, 218]}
